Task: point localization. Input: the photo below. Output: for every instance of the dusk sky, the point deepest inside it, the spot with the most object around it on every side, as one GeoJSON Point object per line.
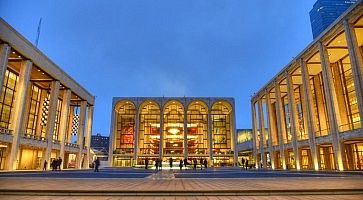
{"type": "Point", "coordinates": [202, 48]}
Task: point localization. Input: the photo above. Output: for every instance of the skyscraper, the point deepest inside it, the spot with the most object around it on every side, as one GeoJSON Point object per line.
{"type": "Point", "coordinates": [325, 12]}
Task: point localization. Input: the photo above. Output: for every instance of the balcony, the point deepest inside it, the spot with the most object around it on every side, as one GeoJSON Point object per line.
{"type": "Point", "coordinates": [6, 131]}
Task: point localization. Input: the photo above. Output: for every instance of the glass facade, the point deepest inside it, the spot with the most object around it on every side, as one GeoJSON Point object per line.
{"type": "Point", "coordinates": [7, 99]}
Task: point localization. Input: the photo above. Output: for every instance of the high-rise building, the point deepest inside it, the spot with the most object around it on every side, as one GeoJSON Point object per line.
{"type": "Point", "coordinates": [100, 142]}
{"type": "Point", "coordinates": [325, 12]}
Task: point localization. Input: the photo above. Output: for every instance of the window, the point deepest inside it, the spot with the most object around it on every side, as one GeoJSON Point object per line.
{"type": "Point", "coordinates": [7, 98]}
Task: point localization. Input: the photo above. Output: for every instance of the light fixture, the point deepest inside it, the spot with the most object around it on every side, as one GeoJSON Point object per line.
{"type": "Point", "coordinates": [174, 131]}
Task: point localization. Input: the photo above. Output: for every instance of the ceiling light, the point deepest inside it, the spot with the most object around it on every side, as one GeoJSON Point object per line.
{"type": "Point", "coordinates": [174, 131]}
{"type": "Point", "coordinates": [13, 52]}
{"type": "Point", "coordinates": [42, 72]}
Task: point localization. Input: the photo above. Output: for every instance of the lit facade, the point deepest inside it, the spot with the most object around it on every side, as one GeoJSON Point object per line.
{"type": "Point", "coordinates": [244, 146]}
{"type": "Point", "coordinates": [325, 12]}
{"type": "Point", "coordinates": [177, 128]}
{"type": "Point", "coordinates": [44, 113]}
{"type": "Point", "coordinates": [309, 116]}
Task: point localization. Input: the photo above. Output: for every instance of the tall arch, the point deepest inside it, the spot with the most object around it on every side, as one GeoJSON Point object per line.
{"type": "Point", "coordinates": [222, 130]}
{"type": "Point", "coordinates": [173, 129]}
{"type": "Point", "coordinates": [197, 134]}
{"type": "Point", "coordinates": [124, 131]}
{"type": "Point", "coordinates": [149, 131]}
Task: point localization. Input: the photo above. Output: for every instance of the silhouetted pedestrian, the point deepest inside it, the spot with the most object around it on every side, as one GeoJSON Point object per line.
{"type": "Point", "coordinates": [161, 164]}
{"type": "Point", "coordinates": [45, 165]}
{"type": "Point", "coordinates": [205, 163]}
{"type": "Point", "coordinates": [54, 164]}
{"type": "Point", "coordinates": [201, 163]}
{"type": "Point", "coordinates": [195, 163]}
{"type": "Point", "coordinates": [171, 162]}
{"type": "Point", "coordinates": [146, 163]}
{"type": "Point", "coordinates": [97, 164]}
{"type": "Point", "coordinates": [246, 164]}
{"type": "Point", "coordinates": [157, 164]}
{"type": "Point", "coordinates": [185, 163]}
{"type": "Point", "coordinates": [243, 163]}
{"type": "Point", "coordinates": [59, 163]}
{"type": "Point", "coordinates": [181, 164]}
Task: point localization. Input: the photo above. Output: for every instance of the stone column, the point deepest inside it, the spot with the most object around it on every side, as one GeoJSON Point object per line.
{"type": "Point", "coordinates": [332, 105]}
{"type": "Point", "coordinates": [137, 133]}
{"type": "Point", "coordinates": [234, 138]}
{"type": "Point", "coordinates": [281, 127]}
{"type": "Point", "coordinates": [88, 135]}
{"type": "Point", "coordinates": [210, 137]}
{"type": "Point", "coordinates": [63, 124]}
{"type": "Point", "coordinates": [262, 133]}
{"type": "Point", "coordinates": [293, 116]}
{"type": "Point", "coordinates": [356, 60]}
{"type": "Point", "coordinates": [111, 145]}
{"type": "Point", "coordinates": [270, 129]}
{"type": "Point", "coordinates": [19, 112]}
{"type": "Point", "coordinates": [161, 133]}
{"type": "Point", "coordinates": [54, 93]}
{"type": "Point", "coordinates": [309, 114]}
{"type": "Point", "coordinates": [254, 133]}
{"type": "Point", "coordinates": [4, 55]}
{"type": "Point", "coordinates": [80, 136]}
{"type": "Point", "coordinates": [185, 132]}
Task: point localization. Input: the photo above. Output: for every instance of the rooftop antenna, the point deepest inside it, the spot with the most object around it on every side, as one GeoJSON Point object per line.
{"type": "Point", "coordinates": [38, 32]}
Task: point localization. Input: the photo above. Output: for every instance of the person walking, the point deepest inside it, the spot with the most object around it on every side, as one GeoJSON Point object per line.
{"type": "Point", "coordinates": [146, 163]}
{"type": "Point", "coordinates": [195, 163]}
{"type": "Point", "coordinates": [185, 163]}
{"type": "Point", "coordinates": [243, 163]}
{"type": "Point", "coordinates": [45, 165]}
{"type": "Point", "coordinates": [161, 164]}
{"type": "Point", "coordinates": [205, 163]}
{"type": "Point", "coordinates": [171, 162]}
{"type": "Point", "coordinates": [157, 164]}
{"type": "Point", "coordinates": [201, 163]}
{"type": "Point", "coordinates": [97, 164]}
{"type": "Point", "coordinates": [246, 164]}
{"type": "Point", "coordinates": [54, 164]}
{"type": "Point", "coordinates": [59, 163]}
{"type": "Point", "coordinates": [181, 164]}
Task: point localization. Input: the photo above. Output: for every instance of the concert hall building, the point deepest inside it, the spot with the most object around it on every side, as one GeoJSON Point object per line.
{"type": "Point", "coordinates": [178, 128]}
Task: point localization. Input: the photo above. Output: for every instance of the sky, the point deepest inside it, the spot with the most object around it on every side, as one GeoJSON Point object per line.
{"type": "Point", "coordinates": [193, 48]}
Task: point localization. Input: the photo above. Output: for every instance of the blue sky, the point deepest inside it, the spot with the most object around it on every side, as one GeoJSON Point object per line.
{"type": "Point", "coordinates": [166, 47]}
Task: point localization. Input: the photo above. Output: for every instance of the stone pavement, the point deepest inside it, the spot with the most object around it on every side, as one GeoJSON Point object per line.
{"type": "Point", "coordinates": [164, 185]}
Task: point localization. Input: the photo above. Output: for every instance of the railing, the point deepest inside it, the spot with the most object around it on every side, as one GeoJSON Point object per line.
{"type": "Point", "coordinates": [71, 145]}
{"type": "Point", "coordinates": [56, 141]}
{"type": "Point", "coordinates": [34, 137]}
{"type": "Point", "coordinates": [351, 126]}
{"type": "Point", "coordinates": [6, 131]}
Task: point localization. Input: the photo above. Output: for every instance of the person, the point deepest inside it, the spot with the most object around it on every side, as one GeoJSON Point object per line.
{"type": "Point", "coordinates": [243, 163]}
{"type": "Point", "coordinates": [201, 163]}
{"type": "Point", "coordinates": [97, 164]}
{"type": "Point", "coordinates": [205, 163]}
{"type": "Point", "coordinates": [161, 164]}
{"type": "Point", "coordinates": [181, 164]}
{"type": "Point", "coordinates": [59, 163]}
{"type": "Point", "coordinates": [246, 164]}
{"type": "Point", "coordinates": [195, 163]}
{"type": "Point", "coordinates": [171, 162]}
{"type": "Point", "coordinates": [45, 165]}
{"type": "Point", "coordinates": [261, 164]}
{"type": "Point", "coordinates": [157, 164]}
{"type": "Point", "coordinates": [185, 163]}
{"type": "Point", "coordinates": [54, 164]}
{"type": "Point", "coordinates": [146, 163]}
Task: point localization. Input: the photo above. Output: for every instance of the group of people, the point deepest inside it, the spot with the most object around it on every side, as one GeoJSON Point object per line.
{"type": "Point", "coordinates": [158, 163]}
{"type": "Point", "coordinates": [55, 164]}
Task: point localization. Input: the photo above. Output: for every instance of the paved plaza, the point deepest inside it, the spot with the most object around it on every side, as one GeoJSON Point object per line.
{"type": "Point", "coordinates": [226, 183]}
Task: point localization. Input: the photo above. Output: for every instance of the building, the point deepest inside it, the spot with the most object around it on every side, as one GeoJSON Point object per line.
{"type": "Point", "coordinates": [245, 146]}
{"type": "Point", "coordinates": [313, 108]}
{"type": "Point", "coordinates": [99, 141]}
{"type": "Point", "coordinates": [178, 128]}
{"type": "Point", "coordinates": [44, 113]}
{"type": "Point", "coordinates": [325, 12]}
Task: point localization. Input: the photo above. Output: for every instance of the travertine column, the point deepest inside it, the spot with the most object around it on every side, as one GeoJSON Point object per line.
{"type": "Point", "coordinates": [4, 55]}
{"type": "Point", "coordinates": [332, 105]}
{"type": "Point", "coordinates": [54, 93]}
{"type": "Point", "coordinates": [293, 116]}
{"type": "Point", "coordinates": [88, 136]}
{"type": "Point", "coordinates": [161, 131]}
{"type": "Point", "coordinates": [19, 112]}
{"type": "Point", "coordinates": [137, 134]}
{"type": "Point", "coordinates": [309, 114]}
{"type": "Point", "coordinates": [269, 121]}
{"type": "Point", "coordinates": [63, 124]}
{"type": "Point", "coordinates": [254, 133]}
{"type": "Point", "coordinates": [185, 132]}
{"type": "Point", "coordinates": [111, 145]}
{"type": "Point", "coordinates": [262, 133]}
{"type": "Point", "coordinates": [210, 137]}
{"type": "Point", "coordinates": [80, 138]}
{"type": "Point", "coordinates": [356, 60]}
{"type": "Point", "coordinates": [281, 127]}
{"type": "Point", "coordinates": [234, 138]}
